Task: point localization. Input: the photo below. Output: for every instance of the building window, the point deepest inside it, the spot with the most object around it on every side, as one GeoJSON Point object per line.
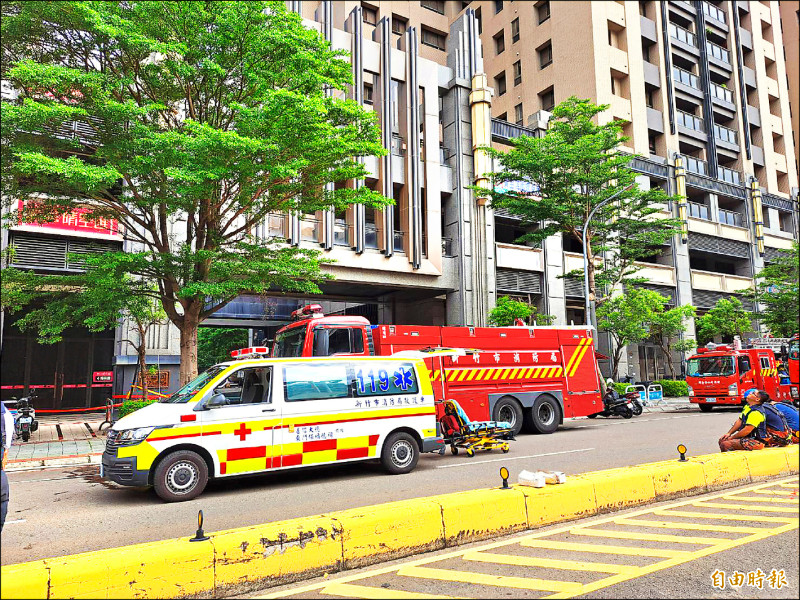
{"type": "Point", "coordinates": [545, 55]}
{"type": "Point", "coordinates": [518, 114]}
{"type": "Point", "coordinates": [515, 30]}
{"type": "Point", "coordinates": [367, 93]}
{"type": "Point", "coordinates": [503, 117]}
{"type": "Point", "coordinates": [651, 140]}
{"type": "Point", "coordinates": [543, 12]}
{"type": "Point", "coordinates": [398, 25]}
{"type": "Point", "coordinates": [370, 14]}
{"type": "Point", "coordinates": [517, 73]}
{"type": "Point", "coordinates": [613, 86]}
{"type": "Point", "coordinates": [547, 99]}
{"type": "Point", "coordinates": [433, 38]}
{"type": "Point", "coordinates": [499, 42]}
{"type": "Point", "coordinates": [645, 51]}
{"type": "Point", "coordinates": [435, 6]}
{"type": "Point", "coordinates": [500, 83]}
{"type": "Point", "coordinates": [479, 20]}
{"type": "Point", "coordinates": [498, 6]}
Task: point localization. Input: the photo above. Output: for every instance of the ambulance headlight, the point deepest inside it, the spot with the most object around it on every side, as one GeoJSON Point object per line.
{"type": "Point", "coordinates": [733, 390]}
{"type": "Point", "coordinates": [138, 434]}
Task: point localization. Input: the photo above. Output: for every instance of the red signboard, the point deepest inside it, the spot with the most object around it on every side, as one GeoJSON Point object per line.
{"type": "Point", "coordinates": [102, 376]}
{"type": "Point", "coordinates": [76, 220]}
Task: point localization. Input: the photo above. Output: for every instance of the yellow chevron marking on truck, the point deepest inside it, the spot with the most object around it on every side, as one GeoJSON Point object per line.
{"type": "Point", "coordinates": [577, 362]}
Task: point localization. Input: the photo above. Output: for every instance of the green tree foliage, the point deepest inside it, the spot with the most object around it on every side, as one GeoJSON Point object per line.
{"type": "Point", "coordinates": [727, 318]}
{"type": "Point", "coordinates": [214, 345]}
{"type": "Point", "coordinates": [627, 318]}
{"type": "Point", "coordinates": [777, 290]}
{"type": "Point", "coordinates": [576, 165]}
{"type": "Point", "coordinates": [200, 119]}
{"type": "Point", "coordinates": [666, 325]}
{"type": "Point", "coordinates": [507, 310]}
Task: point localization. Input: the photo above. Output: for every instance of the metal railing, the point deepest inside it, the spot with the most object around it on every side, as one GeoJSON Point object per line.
{"type": "Point", "coordinates": [340, 233]}
{"type": "Point", "coordinates": [696, 165]}
{"type": "Point", "coordinates": [276, 225]}
{"type": "Point", "coordinates": [685, 78]}
{"type": "Point", "coordinates": [690, 121]}
{"type": "Point", "coordinates": [310, 229]}
{"type": "Point", "coordinates": [730, 217]}
{"type": "Point", "coordinates": [399, 238]}
{"type": "Point", "coordinates": [718, 52]}
{"type": "Point", "coordinates": [370, 236]}
{"type": "Point", "coordinates": [444, 155]}
{"type": "Point", "coordinates": [717, 91]}
{"type": "Point", "coordinates": [397, 146]}
{"type": "Point", "coordinates": [699, 211]}
{"type": "Point", "coordinates": [729, 175]}
{"type": "Point", "coordinates": [725, 134]}
{"type": "Point", "coordinates": [682, 35]}
{"type": "Point", "coordinates": [714, 12]}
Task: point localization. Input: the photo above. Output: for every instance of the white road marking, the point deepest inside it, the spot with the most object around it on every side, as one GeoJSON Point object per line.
{"type": "Point", "coordinates": [505, 458]}
{"type": "Point", "coordinates": [14, 521]}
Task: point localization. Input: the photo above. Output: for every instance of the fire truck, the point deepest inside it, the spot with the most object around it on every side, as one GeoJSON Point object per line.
{"type": "Point", "coordinates": [793, 365]}
{"type": "Point", "coordinates": [531, 377]}
{"type": "Point", "coordinates": [719, 374]}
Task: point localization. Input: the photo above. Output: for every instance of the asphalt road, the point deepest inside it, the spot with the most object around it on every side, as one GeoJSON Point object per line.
{"type": "Point", "coordinates": [59, 511]}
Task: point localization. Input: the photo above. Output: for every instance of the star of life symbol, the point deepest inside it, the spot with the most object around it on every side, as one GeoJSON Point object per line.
{"type": "Point", "coordinates": [496, 357]}
{"type": "Point", "coordinates": [553, 357]}
{"type": "Point", "coordinates": [516, 357]}
{"type": "Point", "coordinates": [402, 379]}
{"type": "Point", "coordinates": [476, 357]}
{"type": "Point", "coordinates": [535, 357]}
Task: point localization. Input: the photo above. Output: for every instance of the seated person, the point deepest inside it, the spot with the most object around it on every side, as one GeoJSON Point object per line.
{"type": "Point", "coordinates": [790, 413]}
{"type": "Point", "coordinates": [749, 432]}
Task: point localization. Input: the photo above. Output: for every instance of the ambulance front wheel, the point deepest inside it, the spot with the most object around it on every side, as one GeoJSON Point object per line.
{"type": "Point", "coordinates": [182, 475]}
{"type": "Point", "coordinates": [400, 453]}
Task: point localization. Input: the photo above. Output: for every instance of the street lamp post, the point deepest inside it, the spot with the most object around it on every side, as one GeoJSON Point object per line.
{"type": "Point", "coordinates": [591, 319]}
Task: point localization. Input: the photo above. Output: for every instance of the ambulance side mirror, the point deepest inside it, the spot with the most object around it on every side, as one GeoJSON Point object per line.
{"type": "Point", "coordinates": [216, 401]}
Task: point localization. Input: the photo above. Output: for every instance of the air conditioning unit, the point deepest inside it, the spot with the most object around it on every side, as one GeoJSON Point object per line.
{"type": "Point", "coordinates": [539, 120]}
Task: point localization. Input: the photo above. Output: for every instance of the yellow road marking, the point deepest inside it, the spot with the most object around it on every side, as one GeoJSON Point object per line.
{"type": "Point", "coordinates": [789, 485]}
{"type": "Point", "coordinates": [620, 550]}
{"type": "Point", "coordinates": [722, 517]}
{"type": "Point", "coordinates": [750, 507]}
{"type": "Point", "coordinates": [650, 537]}
{"type": "Point", "coordinates": [349, 590]}
{"type": "Point", "coordinates": [757, 499]}
{"type": "Point", "coordinates": [526, 583]}
{"type": "Point", "coordinates": [776, 492]}
{"type": "Point", "coordinates": [549, 563]}
{"type": "Point", "coordinates": [689, 526]}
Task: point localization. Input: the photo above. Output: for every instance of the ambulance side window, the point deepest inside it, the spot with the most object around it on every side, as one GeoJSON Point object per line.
{"type": "Point", "coordinates": [765, 362]}
{"type": "Point", "coordinates": [744, 365]}
{"type": "Point", "coordinates": [250, 385]}
{"type": "Point", "coordinates": [316, 382]}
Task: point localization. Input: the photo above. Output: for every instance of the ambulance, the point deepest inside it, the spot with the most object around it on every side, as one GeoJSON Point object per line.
{"type": "Point", "coordinates": [254, 415]}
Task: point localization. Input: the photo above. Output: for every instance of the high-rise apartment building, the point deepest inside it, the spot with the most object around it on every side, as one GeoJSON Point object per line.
{"type": "Point", "coordinates": [790, 23]}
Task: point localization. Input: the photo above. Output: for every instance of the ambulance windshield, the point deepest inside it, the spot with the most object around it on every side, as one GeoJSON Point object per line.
{"type": "Point", "coordinates": [710, 366]}
{"type": "Point", "coordinates": [290, 343]}
{"type": "Point", "coordinates": [188, 391]}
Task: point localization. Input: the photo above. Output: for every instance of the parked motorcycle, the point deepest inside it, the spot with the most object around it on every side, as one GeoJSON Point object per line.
{"type": "Point", "coordinates": [616, 405]}
{"type": "Point", "coordinates": [25, 421]}
{"type": "Point", "coordinates": [636, 402]}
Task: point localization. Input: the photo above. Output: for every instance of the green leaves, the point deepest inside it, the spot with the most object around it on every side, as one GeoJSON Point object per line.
{"type": "Point", "coordinates": [508, 310]}
{"type": "Point", "coordinates": [727, 318]}
{"type": "Point", "coordinates": [777, 292]}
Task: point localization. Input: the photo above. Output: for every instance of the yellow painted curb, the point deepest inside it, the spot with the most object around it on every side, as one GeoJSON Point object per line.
{"type": "Point", "coordinates": [240, 560]}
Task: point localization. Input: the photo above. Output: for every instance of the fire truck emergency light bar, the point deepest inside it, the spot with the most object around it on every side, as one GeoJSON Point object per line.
{"type": "Point", "coordinates": [255, 352]}
{"type": "Point", "coordinates": [311, 311]}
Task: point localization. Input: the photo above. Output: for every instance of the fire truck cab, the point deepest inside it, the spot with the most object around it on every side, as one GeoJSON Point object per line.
{"type": "Point", "coordinates": [719, 374]}
{"type": "Point", "coordinates": [532, 376]}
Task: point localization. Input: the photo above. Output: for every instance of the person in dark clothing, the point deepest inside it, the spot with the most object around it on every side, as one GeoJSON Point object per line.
{"type": "Point", "coordinates": [749, 432]}
{"type": "Point", "coordinates": [789, 413]}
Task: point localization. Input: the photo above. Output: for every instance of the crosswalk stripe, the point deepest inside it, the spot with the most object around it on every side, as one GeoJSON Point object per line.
{"type": "Point", "coordinates": [348, 590]}
{"type": "Point", "coordinates": [757, 499]}
{"type": "Point", "coordinates": [618, 550]}
{"type": "Point", "coordinates": [690, 526]}
{"type": "Point", "coordinates": [651, 537]}
{"type": "Point", "coordinates": [526, 583]}
{"type": "Point", "coordinates": [748, 507]}
{"type": "Point", "coordinates": [721, 516]}
{"type": "Point", "coordinates": [548, 563]}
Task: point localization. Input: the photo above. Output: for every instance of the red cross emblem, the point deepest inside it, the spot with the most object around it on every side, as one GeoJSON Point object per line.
{"type": "Point", "coordinates": [242, 432]}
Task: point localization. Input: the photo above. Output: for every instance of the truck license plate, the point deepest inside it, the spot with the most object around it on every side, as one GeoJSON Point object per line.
{"type": "Point", "coordinates": [711, 399]}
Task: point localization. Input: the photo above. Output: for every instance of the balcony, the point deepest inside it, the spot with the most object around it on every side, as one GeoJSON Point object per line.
{"type": "Point", "coordinates": [689, 121]}
{"type": "Point", "coordinates": [745, 37]}
{"type": "Point", "coordinates": [725, 134]}
{"type": "Point", "coordinates": [682, 35]}
{"type": "Point", "coordinates": [753, 116]}
{"type": "Point", "coordinates": [695, 165]}
{"type": "Point", "coordinates": [688, 79]}
{"type": "Point", "coordinates": [719, 53]}
{"type": "Point", "coordinates": [276, 225]}
{"type": "Point", "coordinates": [776, 123]}
{"type": "Point", "coordinates": [513, 256]}
{"type": "Point", "coordinates": [655, 120]}
{"type": "Point", "coordinates": [730, 175]}
{"type": "Point", "coordinates": [721, 93]}
{"type": "Point", "coordinates": [772, 88]}
{"type": "Point", "coordinates": [758, 155]}
{"type": "Point", "coordinates": [714, 12]}
{"type": "Point", "coordinates": [779, 160]}
{"type": "Point", "coordinates": [621, 107]}
{"type": "Point", "coordinates": [648, 27]}
{"type": "Point", "coordinates": [618, 60]}
{"type": "Point", "coordinates": [769, 50]}
{"type": "Point", "coordinates": [729, 217]}
{"type": "Point", "coordinates": [749, 77]}
{"type": "Point", "coordinates": [718, 282]}
{"type": "Point", "coordinates": [698, 211]}
{"type": "Point", "coordinates": [652, 76]}
{"type": "Point", "coordinates": [503, 130]}
{"type": "Point", "coordinates": [310, 229]}
{"type": "Point", "coordinates": [658, 274]}
{"type": "Point", "coordinates": [733, 238]}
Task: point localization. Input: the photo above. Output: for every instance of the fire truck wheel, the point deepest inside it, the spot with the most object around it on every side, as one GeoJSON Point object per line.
{"type": "Point", "coordinates": [400, 453]}
{"type": "Point", "coordinates": [545, 414]}
{"type": "Point", "coordinates": [705, 407]}
{"type": "Point", "coordinates": [182, 475]}
{"type": "Point", "coordinates": [509, 410]}
{"type": "Point", "coordinates": [453, 450]}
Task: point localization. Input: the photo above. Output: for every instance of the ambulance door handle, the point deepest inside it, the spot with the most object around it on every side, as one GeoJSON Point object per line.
{"type": "Point", "coordinates": [268, 410]}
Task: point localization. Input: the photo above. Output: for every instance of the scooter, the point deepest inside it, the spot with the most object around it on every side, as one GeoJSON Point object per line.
{"type": "Point", "coordinates": [25, 421]}
{"type": "Point", "coordinates": [636, 403]}
{"type": "Point", "coordinates": [616, 405]}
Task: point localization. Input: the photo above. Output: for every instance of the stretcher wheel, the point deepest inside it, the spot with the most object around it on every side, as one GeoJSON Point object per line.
{"type": "Point", "coordinates": [454, 450]}
{"type": "Point", "coordinates": [505, 449]}
{"type": "Point", "coordinates": [470, 452]}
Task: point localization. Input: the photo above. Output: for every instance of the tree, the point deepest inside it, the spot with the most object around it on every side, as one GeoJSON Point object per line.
{"type": "Point", "coordinates": [576, 165]}
{"type": "Point", "coordinates": [777, 291]}
{"type": "Point", "coordinates": [199, 119]}
{"type": "Point", "coordinates": [727, 318]}
{"type": "Point", "coordinates": [507, 311]}
{"type": "Point", "coordinates": [214, 344]}
{"type": "Point", "coordinates": [667, 324]}
{"type": "Point", "coordinates": [627, 317]}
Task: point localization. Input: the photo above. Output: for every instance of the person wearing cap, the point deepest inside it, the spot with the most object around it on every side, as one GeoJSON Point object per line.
{"type": "Point", "coordinates": [790, 415]}
{"type": "Point", "coordinates": [749, 432]}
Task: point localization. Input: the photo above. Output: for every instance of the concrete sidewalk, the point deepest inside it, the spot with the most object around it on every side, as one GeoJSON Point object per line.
{"type": "Point", "coordinates": [60, 440]}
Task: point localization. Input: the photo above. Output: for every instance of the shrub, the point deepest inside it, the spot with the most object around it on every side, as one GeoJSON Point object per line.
{"type": "Point", "coordinates": [673, 388]}
{"type": "Point", "coordinates": [130, 406]}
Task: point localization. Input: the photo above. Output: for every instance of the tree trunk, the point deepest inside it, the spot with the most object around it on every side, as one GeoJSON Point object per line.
{"type": "Point", "coordinates": [667, 350]}
{"type": "Point", "coordinates": [141, 350]}
{"type": "Point", "coordinates": [188, 329]}
{"type": "Point", "coordinates": [615, 361]}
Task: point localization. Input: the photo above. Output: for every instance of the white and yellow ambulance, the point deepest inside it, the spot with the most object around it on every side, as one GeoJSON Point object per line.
{"type": "Point", "coordinates": [258, 414]}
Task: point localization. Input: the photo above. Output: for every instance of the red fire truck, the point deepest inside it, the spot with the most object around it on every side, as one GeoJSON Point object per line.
{"type": "Point", "coordinates": [531, 376]}
{"type": "Point", "coordinates": [793, 365]}
{"type": "Point", "coordinates": [720, 373]}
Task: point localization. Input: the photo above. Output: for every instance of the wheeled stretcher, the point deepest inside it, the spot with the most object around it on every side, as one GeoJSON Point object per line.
{"type": "Point", "coordinates": [459, 432]}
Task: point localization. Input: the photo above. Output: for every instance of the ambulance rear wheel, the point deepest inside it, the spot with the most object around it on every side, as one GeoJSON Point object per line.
{"type": "Point", "coordinates": [545, 414]}
{"type": "Point", "coordinates": [182, 475]}
{"type": "Point", "coordinates": [453, 450]}
{"type": "Point", "coordinates": [705, 407]}
{"type": "Point", "coordinates": [400, 453]}
{"type": "Point", "coordinates": [509, 410]}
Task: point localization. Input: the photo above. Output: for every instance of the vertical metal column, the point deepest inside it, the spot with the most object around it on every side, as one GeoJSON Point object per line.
{"type": "Point", "coordinates": [742, 86]}
{"type": "Point", "coordinates": [414, 176]}
{"type": "Point", "coordinates": [680, 186]}
{"type": "Point", "coordinates": [355, 26]}
{"type": "Point", "coordinates": [328, 215]}
{"type": "Point", "coordinates": [705, 77]}
{"type": "Point", "coordinates": [383, 34]}
{"type": "Point", "coordinates": [668, 66]}
{"type": "Point", "coordinates": [758, 215]}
